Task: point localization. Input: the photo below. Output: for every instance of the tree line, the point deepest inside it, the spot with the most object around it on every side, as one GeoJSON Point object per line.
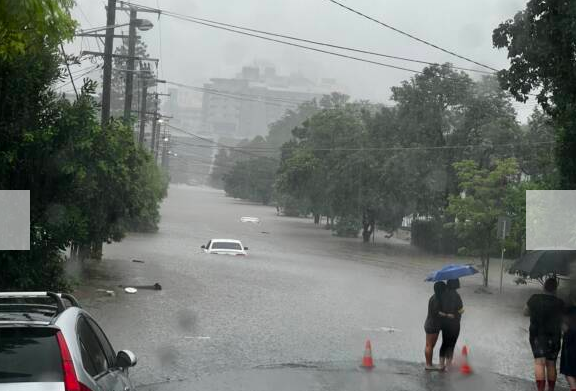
{"type": "Point", "coordinates": [450, 153]}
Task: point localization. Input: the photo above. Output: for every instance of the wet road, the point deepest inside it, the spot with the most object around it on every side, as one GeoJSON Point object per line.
{"type": "Point", "coordinates": [302, 296]}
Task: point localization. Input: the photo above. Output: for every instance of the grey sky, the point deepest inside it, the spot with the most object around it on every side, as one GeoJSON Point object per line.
{"type": "Point", "coordinates": [193, 54]}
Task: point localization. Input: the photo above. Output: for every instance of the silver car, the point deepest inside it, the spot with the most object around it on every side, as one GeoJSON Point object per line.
{"type": "Point", "coordinates": [49, 343]}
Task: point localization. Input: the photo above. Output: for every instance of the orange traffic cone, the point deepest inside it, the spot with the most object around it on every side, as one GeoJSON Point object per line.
{"type": "Point", "coordinates": [465, 367]}
{"type": "Point", "coordinates": [367, 361]}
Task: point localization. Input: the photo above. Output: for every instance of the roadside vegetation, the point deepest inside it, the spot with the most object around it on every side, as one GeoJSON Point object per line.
{"type": "Point", "coordinates": [364, 166]}
{"type": "Point", "coordinates": [89, 184]}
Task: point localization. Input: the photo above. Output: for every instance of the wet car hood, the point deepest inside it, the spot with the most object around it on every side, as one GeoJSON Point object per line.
{"type": "Point", "coordinates": [388, 375]}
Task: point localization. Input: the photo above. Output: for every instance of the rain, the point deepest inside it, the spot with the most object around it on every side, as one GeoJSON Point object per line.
{"type": "Point", "coordinates": [298, 195]}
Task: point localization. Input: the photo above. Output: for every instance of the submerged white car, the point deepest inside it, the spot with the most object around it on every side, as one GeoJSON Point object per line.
{"type": "Point", "coordinates": [225, 246]}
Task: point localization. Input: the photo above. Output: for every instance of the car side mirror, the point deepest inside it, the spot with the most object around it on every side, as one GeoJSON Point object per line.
{"type": "Point", "coordinates": [203, 246]}
{"type": "Point", "coordinates": [245, 248]}
{"type": "Point", "coordinates": [125, 359]}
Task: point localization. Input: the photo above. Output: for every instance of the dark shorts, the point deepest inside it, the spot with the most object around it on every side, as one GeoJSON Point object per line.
{"type": "Point", "coordinates": [431, 327]}
{"type": "Point", "coordinates": [545, 346]}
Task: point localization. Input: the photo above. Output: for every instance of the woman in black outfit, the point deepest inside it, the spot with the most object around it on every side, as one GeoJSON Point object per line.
{"type": "Point", "coordinates": [568, 357]}
{"type": "Point", "coordinates": [432, 323]}
{"type": "Point", "coordinates": [451, 309]}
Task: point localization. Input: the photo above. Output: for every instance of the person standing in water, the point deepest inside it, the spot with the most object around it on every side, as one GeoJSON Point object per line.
{"type": "Point", "coordinates": [432, 324]}
{"type": "Point", "coordinates": [545, 311]}
{"type": "Point", "coordinates": [451, 309]}
{"type": "Point", "coordinates": [568, 356]}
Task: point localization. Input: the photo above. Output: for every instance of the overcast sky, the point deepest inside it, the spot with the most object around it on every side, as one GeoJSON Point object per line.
{"type": "Point", "coordinates": [192, 54]}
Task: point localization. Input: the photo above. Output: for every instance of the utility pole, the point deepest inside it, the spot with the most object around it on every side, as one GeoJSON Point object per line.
{"type": "Point", "coordinates": [130, 66]}
{"type": "Point", "coordinates": [157, 148]}
{"type": "Point", "coordinates": [155, 123]}
{"type": "Point", "coordinates": [107, 71]}
{"type": "Point", "coordinates": [143, 110]}
{"type": "Point", "coordinates": [165, 140]}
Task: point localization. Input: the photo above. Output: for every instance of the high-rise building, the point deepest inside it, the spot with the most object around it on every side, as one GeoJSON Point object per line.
{"type": "Point", "coordinates": [244, 106]}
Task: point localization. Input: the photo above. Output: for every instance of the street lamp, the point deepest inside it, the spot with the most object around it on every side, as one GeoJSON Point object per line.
{"type": "Point", "coordinates": [143, 24]}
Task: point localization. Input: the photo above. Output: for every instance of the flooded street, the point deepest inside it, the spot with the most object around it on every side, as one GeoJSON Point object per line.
{"type": "Point", "coordinates": [301, 297]}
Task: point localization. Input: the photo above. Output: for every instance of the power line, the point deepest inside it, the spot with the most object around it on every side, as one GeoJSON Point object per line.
{"type": "Point", "coordinates": [189, 19]}
{"type": "Point", "coordinates": [161, 70]}
{"type": "Point", "coordinates": [419, 148]}
{"type": "Point", "coordinates": [411, 36]}
{"type": "Point", "coordinates": [68, 67]}
{"type": "Point", "coordinates": [90, 70]}
{"type": "Point", "coordinates": [196, 19]}
{"type": "Point", "coordinates": [90, 25]}
{"type": "Point", "coordinates": [187, 155]}
{"type": "Point", "coordinates": [208, 140]}
{"type": "Point", "coordinates": [241, 96]}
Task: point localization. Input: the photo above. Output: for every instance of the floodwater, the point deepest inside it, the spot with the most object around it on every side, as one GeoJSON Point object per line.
{"type": "Point", "coordinates": [301, 305]}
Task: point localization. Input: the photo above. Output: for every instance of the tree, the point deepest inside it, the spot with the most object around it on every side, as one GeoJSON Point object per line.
{"type": "Point", "coordinates": [118, 90]}
{"type": "Point", "coordinates": [515, 204]}
{"type": "Point", "coordinates": [327, 169]}
{"type": "Point", "coordinates": [538, 140]}
{"type": "Point", "coordinates": [429, 109]}
{"type": "Point", "coordinates": [540, 41]}
{"type": "Point", "coordinates": [31, 25]}
{"type": "Point", "coordinates": [29, 63]}
{"type": "Point", "coordinates": [252, 179]}
{"type": "Point", "coordinates": [85, 182]}
{"type": "Point", "coordinates": [479, 205]}
{"type": "Point", "coordinates": [280, 131]}
{"type": "Point", "coordinates": [443, 117]}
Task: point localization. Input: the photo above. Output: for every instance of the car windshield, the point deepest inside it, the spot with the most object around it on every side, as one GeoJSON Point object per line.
{"type": "Point", "coordinates": [226, 246]}
{"type": "Point", "coordinates": [402, 172]}
{"type": "Point", "coordinates": [29, 355]}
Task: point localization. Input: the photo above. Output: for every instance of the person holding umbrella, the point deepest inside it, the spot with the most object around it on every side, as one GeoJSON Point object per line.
{"type": "Point", "coordinates": [545, 311]}
{"type": "Point", "coordinates": [451, 309]}
{"type": "Point", "coordinates": [432, 323]}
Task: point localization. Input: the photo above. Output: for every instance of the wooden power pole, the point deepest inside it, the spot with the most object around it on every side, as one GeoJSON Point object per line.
{"type": "Point", "coordinates": [130, 66]}
{"type": "Point", "coordinates": [107, 71]}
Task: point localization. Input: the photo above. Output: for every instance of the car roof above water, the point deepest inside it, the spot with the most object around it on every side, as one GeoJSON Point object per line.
{"type": "Point", "coordinates": [225, 240]}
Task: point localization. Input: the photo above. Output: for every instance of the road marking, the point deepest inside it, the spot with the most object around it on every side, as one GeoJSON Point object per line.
{"type": "Point", "coordinates": [196, 337]}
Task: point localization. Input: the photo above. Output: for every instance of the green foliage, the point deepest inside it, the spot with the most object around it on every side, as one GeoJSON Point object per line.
{"type": "Point", "coordinates": [280, 131]}
{"type": "Point", "coordinates": [434, 236]}
{"type": "Point", "coordinates": [87, 184]}
{"type": "Point", "coordinates": [151, 185]}
{"type": "Point", "coordinates": [515, 205]}
{"type": "Point", "coordinates": [540, 41]}
{"type": "Point", "coordinates": [537, 152]}
{"type": "Point", "coordinates": [481, 202]}
{"type": "Point", "coordinates": [40, 269]}
{"type": "Point", "coordinates": [252, 179]}
{"type": "Point", "coordinates": [29, 26]}
{"type": "Point", "coordinates": [118, 90]}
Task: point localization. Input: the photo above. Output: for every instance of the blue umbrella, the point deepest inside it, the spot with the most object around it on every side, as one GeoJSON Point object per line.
{"type": "Point", "coordinates": [451, 272]}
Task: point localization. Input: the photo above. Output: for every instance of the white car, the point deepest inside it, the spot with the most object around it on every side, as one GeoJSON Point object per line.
{"type": "Point", "coordinates": [254, 220]}
{"type": "Point", "coordinates": [225, 246]}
